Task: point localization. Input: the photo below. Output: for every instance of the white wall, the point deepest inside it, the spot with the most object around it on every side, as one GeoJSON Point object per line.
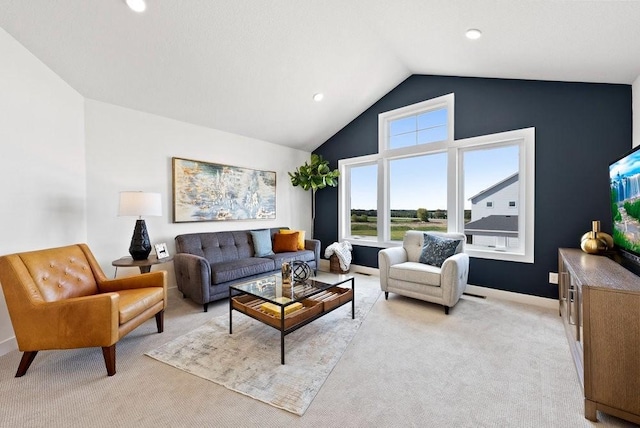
{"type": "Point", "coordinates": [132, 150]}
{"type": "Point", "coordinates": [64, 159]}
{"type": "Point", "coordinates": [635, 89]}
{"type": "Point", "coordinates": [42, 167]}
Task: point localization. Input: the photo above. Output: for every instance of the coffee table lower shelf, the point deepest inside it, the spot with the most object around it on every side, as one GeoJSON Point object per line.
{"type": "Point", "coordinates": [313, 308]}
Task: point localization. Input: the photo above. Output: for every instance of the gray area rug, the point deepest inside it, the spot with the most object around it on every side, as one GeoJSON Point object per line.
{"type": "Point", "coordinates": [248, 361]}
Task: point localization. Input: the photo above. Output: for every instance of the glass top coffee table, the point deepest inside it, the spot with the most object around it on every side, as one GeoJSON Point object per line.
{"type": "Point", "coordinates": [287, 307]}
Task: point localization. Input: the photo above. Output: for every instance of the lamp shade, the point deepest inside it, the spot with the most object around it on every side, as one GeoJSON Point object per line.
{"type": "Point", "coordinates": [140, 204]}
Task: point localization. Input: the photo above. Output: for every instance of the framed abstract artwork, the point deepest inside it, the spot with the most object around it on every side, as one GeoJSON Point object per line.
{"type": "Point", "coordinates": [204, 191]}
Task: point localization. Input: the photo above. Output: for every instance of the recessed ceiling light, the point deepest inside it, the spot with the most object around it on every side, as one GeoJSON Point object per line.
{"type": "Point", "coordinates": [318, 97]}
{"type": "Point", "coordinates": [473, 34]}
{"type": "Point", "coordinates": [137, 5]}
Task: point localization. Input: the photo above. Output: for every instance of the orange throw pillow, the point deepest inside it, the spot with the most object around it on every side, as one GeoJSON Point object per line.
{"type": "Point", "coordinates": [285, 242]}
{"type": "Point", "coordinates": [300, 236]}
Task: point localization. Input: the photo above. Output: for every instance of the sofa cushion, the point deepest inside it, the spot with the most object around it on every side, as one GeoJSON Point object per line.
{"type": "Point", "coordinates": [436, 249]}
{"type": "Point", "coordinates": [300, 236]}
{"type": "Point", "coordinates": [235, 269]}
{"type": "Point", "coordinates": [262, 242]}
{"type": "Point", "coordinates": [283, 243]}
{"type": "Point", "coordinates": [304, 256]}
{"type": "Point", "coordinates": [416, 272]}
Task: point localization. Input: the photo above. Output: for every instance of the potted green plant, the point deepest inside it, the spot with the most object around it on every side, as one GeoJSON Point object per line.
{"type": "Point", "coordinates": [314, 176]}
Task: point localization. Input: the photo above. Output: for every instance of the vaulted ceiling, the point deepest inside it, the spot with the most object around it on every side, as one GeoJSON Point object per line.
{"type": "Point", "coordinates": [251, 67]}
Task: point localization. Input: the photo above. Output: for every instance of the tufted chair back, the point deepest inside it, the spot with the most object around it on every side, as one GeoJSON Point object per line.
{"type": "Point", "coordinates": [60, 273]}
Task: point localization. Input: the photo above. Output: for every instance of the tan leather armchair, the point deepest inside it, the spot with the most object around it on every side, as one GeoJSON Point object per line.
{"type": "Point", "coordinates": [60, 298]}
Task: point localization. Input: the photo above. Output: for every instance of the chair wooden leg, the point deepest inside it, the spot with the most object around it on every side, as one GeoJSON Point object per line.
{"type": "Point", "coordinates": [109, 354]}
{"type": "Point", "coordinates": [25, 362]}
{"type": "Point", "coordinates": [386, 295]}
{"type": "Point", "coordinates": [160, 321]}
{"type": "Point", "coordinates": [446, 310]}
{"type": "Point", "coordinates": [206, 307]}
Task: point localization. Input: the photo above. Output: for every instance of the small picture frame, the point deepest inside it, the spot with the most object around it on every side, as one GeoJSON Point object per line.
{"type": "Point", "coordinates": [161, 251]}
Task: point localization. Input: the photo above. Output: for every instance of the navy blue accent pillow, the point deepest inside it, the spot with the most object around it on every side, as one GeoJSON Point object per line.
{"type": "Point", "coordinates": [436, 249]}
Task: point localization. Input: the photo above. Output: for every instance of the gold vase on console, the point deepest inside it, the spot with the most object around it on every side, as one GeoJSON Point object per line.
{"type": "Point", "coordinates": [595, 241]}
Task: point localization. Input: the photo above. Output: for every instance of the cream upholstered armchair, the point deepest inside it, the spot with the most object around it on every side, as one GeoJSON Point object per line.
{"type": "Point", "coordinates": [436, 272]}
{"type": "Point", "coordinates": [59, 298]}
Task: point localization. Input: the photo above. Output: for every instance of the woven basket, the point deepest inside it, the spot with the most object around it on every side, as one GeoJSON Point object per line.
{"type": "Point", "coordinates": [334, 265]}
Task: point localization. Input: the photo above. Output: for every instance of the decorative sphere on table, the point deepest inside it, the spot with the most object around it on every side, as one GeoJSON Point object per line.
{"type": "Point", "coordinates": [300, 271]}
{"type": "Point", "coordinates": [595, 241]}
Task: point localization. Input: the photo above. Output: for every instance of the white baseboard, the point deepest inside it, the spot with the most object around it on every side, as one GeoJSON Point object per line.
{"type": "Point", "coordinates": [512, 297]}
{"type": "Point", "coordinates": [8, 345]}
{"type": "Point", "coordinates": [471, 289]}
{"type": "Point", "coordinates": [325, 267]}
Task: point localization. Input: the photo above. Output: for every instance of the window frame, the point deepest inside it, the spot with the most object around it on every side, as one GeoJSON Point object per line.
{"type": "Point", "coordinates": [525, 138]}
{"type": "Point", "coordinates": [344, 201]}
{"type": "Point", "coordinates": [455, 193]}
{"type": "Point", "coordinates": [385, 119]}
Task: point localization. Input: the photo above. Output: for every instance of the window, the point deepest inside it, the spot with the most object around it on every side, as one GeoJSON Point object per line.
{"type": "Point", "coordinates": [423, 179]}
{"type": "Point", "coordinates": [423, 123]}
{"type": "Point", "coordinates": [492, 171]}
{"type": "Point", "coordinates": [363, 197]}
{"type": "Point", "coordinates": [421, 128]}
{"type": "Point", "coordinates": [417, 182]}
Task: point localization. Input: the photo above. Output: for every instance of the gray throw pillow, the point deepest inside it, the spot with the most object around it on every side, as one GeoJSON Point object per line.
{"type": "Point", "coordinates": [262, 242]}
{"type": "Point", "coordinates": [436, 249]}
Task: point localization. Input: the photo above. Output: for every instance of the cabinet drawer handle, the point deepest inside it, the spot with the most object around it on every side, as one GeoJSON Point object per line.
{"type": "Point", "coordinates": [570, 297]}
{"type": "Point", "coordinates": [564, 281]}
{"type": "Point", "coordinates": [572, 301]}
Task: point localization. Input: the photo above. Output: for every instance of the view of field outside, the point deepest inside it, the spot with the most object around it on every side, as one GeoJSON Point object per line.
{"type": "Point", "coordinates": [366, 225]}
{"type": "Point", "coordinates": [418, 185]}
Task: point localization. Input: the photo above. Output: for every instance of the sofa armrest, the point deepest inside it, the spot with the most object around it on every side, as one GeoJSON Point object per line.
{"type": "Point", "coordinates": [387, 258]}
{"type": "Point", "coordinates": [193, 276]}
{"type": "Point", "coordinates": [313, 245]}
{"type": "Point", "coordinates": [454, 275]}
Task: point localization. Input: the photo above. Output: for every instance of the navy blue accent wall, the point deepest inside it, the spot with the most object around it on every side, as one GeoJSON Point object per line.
{"type": "Point", "coordinates": [580, 128]}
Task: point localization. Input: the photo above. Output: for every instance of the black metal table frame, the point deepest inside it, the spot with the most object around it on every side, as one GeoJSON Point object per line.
{"type": "Point", "coordinates": [283, 331]}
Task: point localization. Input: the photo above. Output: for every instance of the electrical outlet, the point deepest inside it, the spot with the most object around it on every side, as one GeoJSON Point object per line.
{"type": "Point", "coordinates": [553, 278]}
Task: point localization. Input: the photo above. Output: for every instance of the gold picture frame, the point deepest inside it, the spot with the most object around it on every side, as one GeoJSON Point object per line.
{"type": "Point", "coordinates": [204, 191]}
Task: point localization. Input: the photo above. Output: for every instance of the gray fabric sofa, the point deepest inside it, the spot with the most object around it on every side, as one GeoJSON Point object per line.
{"type": "Point", "coordinates": [207, 263]}
{"type": "Point", "coordinates": [402, 273]}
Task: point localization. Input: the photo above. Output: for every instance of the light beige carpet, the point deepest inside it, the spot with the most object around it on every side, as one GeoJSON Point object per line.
{"type": "Point", "coordinates": [248, 361]}
{"type": "Point", "coordinates": [489, 363]}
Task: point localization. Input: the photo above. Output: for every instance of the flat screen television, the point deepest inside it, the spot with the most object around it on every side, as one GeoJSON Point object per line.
{"type": "Point", "coordinates": [624, 176]}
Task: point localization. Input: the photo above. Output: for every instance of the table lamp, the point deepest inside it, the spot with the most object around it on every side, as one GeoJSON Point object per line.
{"type": "Point", "coordinates": [140, 204]}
